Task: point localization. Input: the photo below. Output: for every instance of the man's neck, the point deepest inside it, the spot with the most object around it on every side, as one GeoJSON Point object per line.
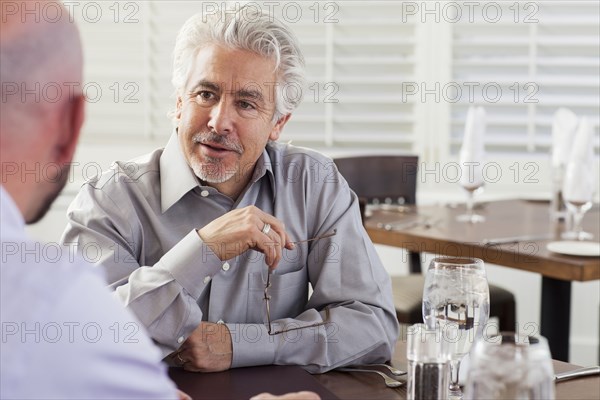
{"type": "Point", "coordinates": [19, 194]}
{"type": "Point", "coordinates": [234, 186]}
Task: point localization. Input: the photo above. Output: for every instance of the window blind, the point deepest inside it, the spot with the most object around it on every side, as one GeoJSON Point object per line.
{"type": "Point", "coordinates": [362, 59]}
{"type": "Point", "coordinates": [538, 57]}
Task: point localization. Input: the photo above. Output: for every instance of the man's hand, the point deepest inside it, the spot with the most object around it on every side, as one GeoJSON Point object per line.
{"type": "Point", "coordinates": [288, 396]}
{"type": "Point", "coordinates": [207, 349]}
{"type": "Point", "coordinates": [240, 230]}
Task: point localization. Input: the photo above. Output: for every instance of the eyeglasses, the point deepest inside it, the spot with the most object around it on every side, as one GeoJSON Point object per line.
{"type": "Point", "coordinates": [267, 297]}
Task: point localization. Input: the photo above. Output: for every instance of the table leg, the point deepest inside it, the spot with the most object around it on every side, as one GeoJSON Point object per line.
{"type": "Point", "coordinates": [556, 316]}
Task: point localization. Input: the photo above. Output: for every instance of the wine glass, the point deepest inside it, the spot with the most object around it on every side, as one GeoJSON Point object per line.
{"type": "Point", "coordinates": [471, 159]}
{"type": "Point", "coordinates": [470, 215]}
{"type": "Point", "coordinates": [578, 191]}
{"type": "Point", "coordinates": [471, 179]}
{"type": "Point", "coordinates": [456, 299]}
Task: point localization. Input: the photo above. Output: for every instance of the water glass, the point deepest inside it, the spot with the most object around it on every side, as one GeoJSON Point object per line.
{"type": "Point", "coordinates": [510, 366]}
{"type": "Point", "coordinates": [428, 367]}
{"type": "Point", "coordinates": [456, 299]}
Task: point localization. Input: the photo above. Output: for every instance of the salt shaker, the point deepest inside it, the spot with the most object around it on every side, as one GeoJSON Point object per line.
{"type": "Point", "coordinates": [428, 367]}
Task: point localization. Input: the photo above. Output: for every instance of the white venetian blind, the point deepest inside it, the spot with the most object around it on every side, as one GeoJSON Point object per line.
{"type": "Point", "coordinates": [522, 63]}
{"type": "Point", "coordinates": [373, 53]}
{"type": "Point", "coordinates": [116, 71]}
{"type": "Point", "coordinates": [358, 54]}
{"type": "Point", "coordinates": [528, 60]}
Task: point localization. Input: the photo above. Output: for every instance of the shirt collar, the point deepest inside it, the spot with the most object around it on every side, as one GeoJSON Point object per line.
{"type": "Point", "coordinates": [11, 215]}
{"type": "Point", "coordinates": [264, 166]}
{"type": "Point", "coordinates": [176, 176]}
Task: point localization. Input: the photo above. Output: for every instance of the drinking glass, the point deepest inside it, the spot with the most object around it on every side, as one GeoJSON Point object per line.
{"type": "Point", "coordinates": [456, 298]}
{"type": "Point", "coordinates": [470, 215]}
{"type": "Point", "coordinates": [578, 192]}
{"type": "Point", "coordinates": [510, 366]}
{"type": "Point", "coordinates": [472, 181]}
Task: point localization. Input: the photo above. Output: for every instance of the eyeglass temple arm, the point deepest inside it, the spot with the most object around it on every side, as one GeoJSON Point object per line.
{"type": "Point", "coordinates": [330, 234]}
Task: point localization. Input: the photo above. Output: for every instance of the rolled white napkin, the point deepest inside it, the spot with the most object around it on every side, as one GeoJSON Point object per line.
{"type": "Point", "coordinates": [564, 127]}
{"type": "Point", "coordinates": [472, 151]}
{"type": "Point", "coordinates": [580, 176]}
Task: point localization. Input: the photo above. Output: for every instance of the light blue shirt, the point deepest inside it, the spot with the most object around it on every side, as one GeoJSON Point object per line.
{"type": "Point", "coordinates": [63, 335]}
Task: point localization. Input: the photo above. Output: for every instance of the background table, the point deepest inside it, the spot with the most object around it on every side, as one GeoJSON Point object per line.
{"type": "Point", "coordinates": [446, 236]}
{"type": "Point", "coordinates": [242, 383]}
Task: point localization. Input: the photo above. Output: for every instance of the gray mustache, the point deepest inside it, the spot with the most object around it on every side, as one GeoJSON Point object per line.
{"type": "Point", "coordinates": [225, 141]}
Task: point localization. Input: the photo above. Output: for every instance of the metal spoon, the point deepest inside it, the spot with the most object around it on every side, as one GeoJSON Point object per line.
{"type": "Point", "coordinates": [389, 382]}
{"type": "Point", "coordinates": [394, 371]}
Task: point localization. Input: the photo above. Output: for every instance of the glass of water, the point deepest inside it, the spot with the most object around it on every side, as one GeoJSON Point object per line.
{"type": "Point", "coordinates": [509, 366]}
{"type": "Point", "coordinates": [456, 300]}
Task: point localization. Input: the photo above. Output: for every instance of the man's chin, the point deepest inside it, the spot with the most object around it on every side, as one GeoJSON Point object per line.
{"type": "Point", "coordinates": [57, 187]}
{"type": "Point", "coordinates": [213, 172]}
{"type": "Point", "coordinates": [212, 177]}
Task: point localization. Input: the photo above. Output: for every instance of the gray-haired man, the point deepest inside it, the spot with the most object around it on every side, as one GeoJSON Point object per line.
{"type": "Point", "coordinates": [190, 237]}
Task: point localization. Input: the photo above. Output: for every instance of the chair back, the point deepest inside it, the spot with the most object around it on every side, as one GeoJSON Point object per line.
{"type": "Point", "coordinates": [381, 178]}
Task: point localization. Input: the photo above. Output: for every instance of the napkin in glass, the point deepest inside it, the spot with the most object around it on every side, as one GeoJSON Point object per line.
{"type": "Point", "coordinates": [564, 126]}
{"type": "Point", "coordinates": [580, 176]}
{"type": "Point", "coordinates": [472, 151]}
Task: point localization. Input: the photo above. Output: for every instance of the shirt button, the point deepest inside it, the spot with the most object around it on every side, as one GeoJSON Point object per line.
{"type": "Point", "coordinates": [204, 193]}
{"type": "Point", "coordinates": [226, 266]}
{"type": "Point", "coordinates": [206, 279]}
{"type": "Point", "coordinates": [180, 340]}
{"type": "Point", "coordinates": [220, 322]}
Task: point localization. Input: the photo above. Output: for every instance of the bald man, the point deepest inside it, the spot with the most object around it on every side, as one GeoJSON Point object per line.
{"type": "Point", "coordinates": [63, 335]}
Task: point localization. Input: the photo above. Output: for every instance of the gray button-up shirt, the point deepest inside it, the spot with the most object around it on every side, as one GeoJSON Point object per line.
{"type": "Point", "coordinates": [139, 219]}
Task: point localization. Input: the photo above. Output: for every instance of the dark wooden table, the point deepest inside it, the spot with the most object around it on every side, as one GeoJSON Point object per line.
{"type": "Point", "coordinates": [243, 383]}
{"type": "Point", "coordinates": [446, 236]}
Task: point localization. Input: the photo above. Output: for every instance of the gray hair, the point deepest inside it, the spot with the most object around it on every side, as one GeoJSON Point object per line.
{"type": "Point", "coordinates": [246, 28]}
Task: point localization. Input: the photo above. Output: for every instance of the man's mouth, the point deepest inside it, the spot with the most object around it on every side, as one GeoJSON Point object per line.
{"type": "Point", "coordinates": [212, 149]}
{"type": "Point", "coordinates": [216, 146]}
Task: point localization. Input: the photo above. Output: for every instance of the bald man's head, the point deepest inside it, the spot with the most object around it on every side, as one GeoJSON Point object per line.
{"type": "Point", "coordinates": [39, 61]}
{"type": "Point", "coordinates": [41, 106]}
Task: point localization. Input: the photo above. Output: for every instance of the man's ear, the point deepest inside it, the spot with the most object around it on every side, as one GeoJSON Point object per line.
{"type": "Point", "coordinates": [74, 117]}
{"type": "Point", "coordinates": [179, 106]}
{"type": "Point", "coordinates": [276, 131]}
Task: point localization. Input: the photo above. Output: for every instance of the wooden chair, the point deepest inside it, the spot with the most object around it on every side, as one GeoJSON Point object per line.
{"type": "Point", "coordinates": [393, 180]}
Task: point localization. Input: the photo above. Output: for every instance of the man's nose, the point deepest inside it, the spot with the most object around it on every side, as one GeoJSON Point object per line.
{"type": "Point", "coordinates": [222, 117]}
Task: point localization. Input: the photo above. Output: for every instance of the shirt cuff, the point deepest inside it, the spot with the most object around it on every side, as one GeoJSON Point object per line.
{"type": "Point", "coordinates": [252, 345]}
{"type": "Point", "coordinates": [191, 263]}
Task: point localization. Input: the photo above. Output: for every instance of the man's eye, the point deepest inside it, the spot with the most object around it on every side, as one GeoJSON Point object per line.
{"type": "Point", "coordinates": [204, 95]}
{"type": "Point", "coordinates": [246, 106]}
